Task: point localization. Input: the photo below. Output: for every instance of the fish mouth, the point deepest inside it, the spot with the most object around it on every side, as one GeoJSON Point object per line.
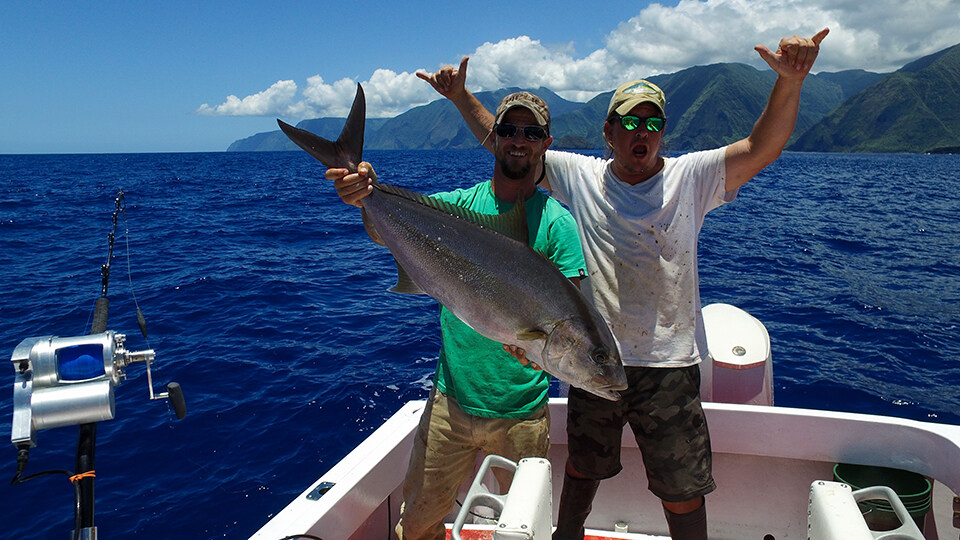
{"type": "Point", "coordinates": [606, 393]}
{"type": "Point", "coordinates": [605, 388]}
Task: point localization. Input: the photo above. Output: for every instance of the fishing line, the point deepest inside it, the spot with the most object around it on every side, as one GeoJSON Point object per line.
{"type": "Point", "coordinates": [141, 321]}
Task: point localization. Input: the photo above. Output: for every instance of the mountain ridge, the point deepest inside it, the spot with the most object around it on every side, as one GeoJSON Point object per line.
{"type": "Point", "coordinates": [914, 109]}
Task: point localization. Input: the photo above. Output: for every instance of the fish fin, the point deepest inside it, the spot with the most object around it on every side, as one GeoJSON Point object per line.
{"type": "Point", "coordinates": [405, 284]}
{"type": "Point", "coordinates": [347, 151]}
{"type": "Point", "coordinates": [531, 334]}
{"type": "Point", "coordinates": [512, 224]}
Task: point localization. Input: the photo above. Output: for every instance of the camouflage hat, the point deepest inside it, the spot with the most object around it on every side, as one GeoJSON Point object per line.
{"type": "Point", "coordinates": [528, 101]}
{"type": "Point", "coordinates": [633, 93]}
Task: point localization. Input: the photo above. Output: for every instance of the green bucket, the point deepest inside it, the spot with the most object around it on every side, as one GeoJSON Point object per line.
{"type": "Point", "coordinates": [913, 490]}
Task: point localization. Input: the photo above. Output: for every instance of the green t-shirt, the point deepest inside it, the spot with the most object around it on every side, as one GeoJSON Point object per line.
{"type": "Point", "coordinates": [474, 370]}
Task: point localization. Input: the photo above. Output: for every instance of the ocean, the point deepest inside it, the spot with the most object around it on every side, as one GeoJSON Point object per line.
{"type": "Point", "coordinates": [267, 302]}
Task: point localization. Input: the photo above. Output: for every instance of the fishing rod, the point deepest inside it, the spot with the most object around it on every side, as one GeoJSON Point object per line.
{"type": "Point", "coordinates": [64, 381]}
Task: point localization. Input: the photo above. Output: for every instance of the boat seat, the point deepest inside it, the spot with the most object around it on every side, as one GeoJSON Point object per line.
{"type": "Point", "coordinates": [833, 514]}
{"type": "Point", "coordinates": [526, 511]}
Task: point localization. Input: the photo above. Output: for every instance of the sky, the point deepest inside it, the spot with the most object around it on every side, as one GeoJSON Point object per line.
{"type": "Point", "coordinates": [194, 76]}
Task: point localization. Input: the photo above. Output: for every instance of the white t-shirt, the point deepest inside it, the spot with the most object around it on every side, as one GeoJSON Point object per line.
{"type": "Point", "coordinates": [640, 246]}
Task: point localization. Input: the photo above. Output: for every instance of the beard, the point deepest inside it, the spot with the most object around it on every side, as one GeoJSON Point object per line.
{"type": "Point", "coordinates": [511, 168]}
{"type": "Point", "coordinates": [518, 172]}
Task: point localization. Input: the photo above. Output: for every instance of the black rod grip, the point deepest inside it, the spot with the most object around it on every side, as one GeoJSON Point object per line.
{"type": "Point", "coordinates": [100, 312]}
{"type": "Point", "coordinates": [175, 395]}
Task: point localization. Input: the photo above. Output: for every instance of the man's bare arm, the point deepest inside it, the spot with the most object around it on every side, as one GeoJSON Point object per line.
{"type": "Point", "coordinates": [449, 82]}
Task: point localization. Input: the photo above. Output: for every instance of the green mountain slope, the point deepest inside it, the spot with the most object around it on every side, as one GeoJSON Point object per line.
{"type": "Point", "coordinates": [707, 107]}
{"type": "Point", "coordinates": [852, 81]}
{"type": "Point", "coordinates": [710, 106]}
{"type": "Point", "coordinates": [915, 109]}
{"type": "Point", "coordinates": [439, 125]}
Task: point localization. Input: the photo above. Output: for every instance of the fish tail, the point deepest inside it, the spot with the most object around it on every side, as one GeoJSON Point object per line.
{"type": "Point", "coordinates": [347, 151]}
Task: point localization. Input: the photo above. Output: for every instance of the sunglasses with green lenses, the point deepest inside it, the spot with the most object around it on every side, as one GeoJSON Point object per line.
{"type": "Point", "coordinates": [652, 123]}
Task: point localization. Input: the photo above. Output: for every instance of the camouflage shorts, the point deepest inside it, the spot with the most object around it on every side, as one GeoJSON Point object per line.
{"type": "Point", "coordinates": [662, 406]}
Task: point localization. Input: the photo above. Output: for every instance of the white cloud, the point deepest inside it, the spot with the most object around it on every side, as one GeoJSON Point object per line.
{"type": "Point", "coordinates": [279, 97]}
{"type": "Point", "coordinates": [323, 99]}
{"type": "Point", "coordinates": [875, 35]}
{"type": "Point", "coordinates": [389, 93]}
{"type": "Point", "coordinates": [525, 62]}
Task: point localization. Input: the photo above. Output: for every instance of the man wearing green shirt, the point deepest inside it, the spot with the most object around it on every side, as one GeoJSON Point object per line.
{"type": "Point", "coordinates": [483, 400]}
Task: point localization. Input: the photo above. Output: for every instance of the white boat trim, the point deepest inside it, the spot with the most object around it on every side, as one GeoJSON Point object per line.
{"type": "Point", "coordinates": [358, 480]}
{"type": "Point", "coordinates": [760, 452]}
{"type": "Point", "coordinates": [837, 437]}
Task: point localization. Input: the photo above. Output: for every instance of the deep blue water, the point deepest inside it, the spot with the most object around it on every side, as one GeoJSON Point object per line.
{"type": "Point", "coordinates": [266, 301]}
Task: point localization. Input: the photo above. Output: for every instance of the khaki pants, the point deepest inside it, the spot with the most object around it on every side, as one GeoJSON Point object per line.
{"type": "Point", "coordinates": [444, 454]}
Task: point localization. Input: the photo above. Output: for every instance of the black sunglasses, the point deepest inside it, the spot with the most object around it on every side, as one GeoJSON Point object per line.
{"type": "Point", "coordinates": [652, 123]}
{"type": "Point", "coordinates": [531, 133]}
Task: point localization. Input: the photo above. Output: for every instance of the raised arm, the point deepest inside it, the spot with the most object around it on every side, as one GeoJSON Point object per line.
{"type": "Point", "coordinates": [450, 83]}
{"type": "Point", "coordinates": [792, 61]}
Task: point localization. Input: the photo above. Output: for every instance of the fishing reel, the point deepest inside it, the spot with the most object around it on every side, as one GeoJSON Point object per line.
{"type": "Point", "coordinates": [64, 381]}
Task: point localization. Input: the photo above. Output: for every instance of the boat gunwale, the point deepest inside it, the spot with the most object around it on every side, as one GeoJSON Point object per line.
{"type": "Point", "coordinates": [751, 430]}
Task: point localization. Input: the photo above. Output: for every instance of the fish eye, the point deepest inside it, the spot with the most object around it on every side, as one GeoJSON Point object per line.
{"type": "Point", "coordinates": [599, 357]}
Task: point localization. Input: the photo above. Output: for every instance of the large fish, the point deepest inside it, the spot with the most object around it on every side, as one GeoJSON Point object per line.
{"type": "Point", "coordinates": [481, 268]}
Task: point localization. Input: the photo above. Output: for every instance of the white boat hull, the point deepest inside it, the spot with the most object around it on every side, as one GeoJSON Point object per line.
{"type": "Point", "coordinates": [765, 459]}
